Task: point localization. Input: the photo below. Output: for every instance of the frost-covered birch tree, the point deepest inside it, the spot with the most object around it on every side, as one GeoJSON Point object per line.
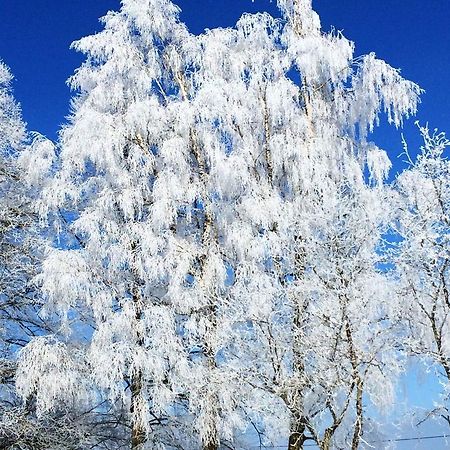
{"type": "Point", "coordinates": [13, 218]}
{"type": "Point", "coordinates": [423, 259]}
{"type": "Point", "coordinates": [310, 228]}
{"type": "Point", "coordinates": [125, 175]}
{"type": "Point", "coordinates": [19, 263]}
{"type": "Point", "coordinates": [18, 320]}
{"type": "Point", "coordinates": [225, 237]}
{"type": "Point", "coordinates": [21, 249]}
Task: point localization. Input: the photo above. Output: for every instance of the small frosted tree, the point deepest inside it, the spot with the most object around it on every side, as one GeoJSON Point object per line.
{"type": "Point", "coordinates": [14, 217]}
{"type": "Point", "coordinates": [22, 243]}
{"type": "Point", "coordinates": [16, 257]}
{"type": "Point", "coordinates": [20, 252]}
{"type": "Point", "coordinates": [423, 259]}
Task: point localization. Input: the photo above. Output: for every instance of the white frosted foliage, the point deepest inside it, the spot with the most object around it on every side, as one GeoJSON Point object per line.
{"type": "Point", "coordinates": [422, 260]}
{"type": "Point", "coordinates": [12, 129]}
{"type": "Point", "coordinates": [220, 239]}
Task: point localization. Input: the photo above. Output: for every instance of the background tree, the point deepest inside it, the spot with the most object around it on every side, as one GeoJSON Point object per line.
{"type": "Point", "coordinates": [423, 260]}
{"type": "Point", "coordinates": [18, 253]}
{"type": "Point", "coordinates": [22, 244]}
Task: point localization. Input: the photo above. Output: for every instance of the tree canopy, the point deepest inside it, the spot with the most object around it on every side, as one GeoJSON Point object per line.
{"type": "Point", "coordinates": [224, 262]}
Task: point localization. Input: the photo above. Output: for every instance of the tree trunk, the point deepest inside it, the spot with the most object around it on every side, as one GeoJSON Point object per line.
{"type": "Point", "coordinates": [326, 442]}
{"type": "Point", "coordinates": [211, 446]}
{"type": "Point", "coordinates": [138, 431]}
{"type": "Point", "coordinates": [213, 442]}
{"type": "Point", "coordinates": [437, 333]}
{"type": "Point", "coordinates": [297, 436]}
{"type": "Point", "coordinates": [359, 387]}
{"type": "Point", "coordinates": [138, 434]}
{"type": "Point", "coordinates": [359, 415]}
{"type": "Point", "coordinates": [213, 439]}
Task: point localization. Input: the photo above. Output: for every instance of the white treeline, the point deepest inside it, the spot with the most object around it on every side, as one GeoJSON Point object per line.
{"type": "Point", "coordinates": [214, 259]}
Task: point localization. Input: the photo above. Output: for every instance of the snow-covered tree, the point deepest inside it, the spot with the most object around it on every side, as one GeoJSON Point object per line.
{"type": "Point", "coordinates": [16, 255]}
{"type": "Point", "coordinates": [125, 183]}
{"type": "Point", "coordinates": [23, 167]}
{"type": "Point", "coordinates": [305, 239]}
{"type": "Point", "coordinates": [225, 237]}
{"type": "Point", "coordinates": [423, 259]}
{"type": "Point", "coordinates": [13, 217]}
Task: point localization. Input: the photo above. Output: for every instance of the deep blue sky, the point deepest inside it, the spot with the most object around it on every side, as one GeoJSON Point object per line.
{"type": "Point", "coordinates": [410, 34]}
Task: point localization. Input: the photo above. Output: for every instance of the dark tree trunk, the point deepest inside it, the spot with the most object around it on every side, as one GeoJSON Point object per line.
{"type": "Point", "coordinates": [138, 432]}
{"type": "Point", "coordinates": [297, 435]}
{"type": "Point", "coordinates": [211, 446]}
